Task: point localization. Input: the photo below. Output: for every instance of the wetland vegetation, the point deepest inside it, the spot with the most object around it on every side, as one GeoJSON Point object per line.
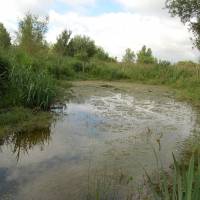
{"type": "Point", "coordinates": [71, 115]}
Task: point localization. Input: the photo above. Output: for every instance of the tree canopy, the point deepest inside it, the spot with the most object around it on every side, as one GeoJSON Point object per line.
{"type": "Point", "coordinates": [189, 13]}
{"type": "Point", "coordinates": [82, 46]}
{"type": "Point", "coordinates": [31, 33]}
{"type": "Point", "coordinates": [145, 56]}
{"type": "Point", "coordinates": [129, 56]}
{"type": "Point", "coordinates": [62, 43]}
{"type": "Point", "coordinates": [102, 55]}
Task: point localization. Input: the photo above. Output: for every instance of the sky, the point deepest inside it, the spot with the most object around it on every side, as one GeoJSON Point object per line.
{"type": "Point", "coordinates": [114, 24]}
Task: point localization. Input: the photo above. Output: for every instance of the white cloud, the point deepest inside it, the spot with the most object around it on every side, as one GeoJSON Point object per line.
{"type": "Point", "coordinates": [167, 37]}
{"type": "Point", "coordinates": [12, 10]}
{"type": "Point", "coordinates": [142, 24]}
{"type": "Point", "coordinates": [144, 6]}
{"type": "Point", "coordinates": [33, 5]}
{"type": "Point", "coordinates": [78, 2]}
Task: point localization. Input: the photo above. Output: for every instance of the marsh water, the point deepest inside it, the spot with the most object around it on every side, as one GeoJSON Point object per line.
{"type": "Point", "coordinates": [100, 143]}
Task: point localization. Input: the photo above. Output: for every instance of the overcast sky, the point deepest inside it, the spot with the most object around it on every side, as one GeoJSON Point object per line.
{"type": "Point", "coordinates": [113, 24]}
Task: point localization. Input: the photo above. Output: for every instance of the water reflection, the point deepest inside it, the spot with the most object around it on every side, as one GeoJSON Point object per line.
{"type": "Point", "coordinates": [22, 142]}
{"type": "Point", "coordinates": [99, 146]}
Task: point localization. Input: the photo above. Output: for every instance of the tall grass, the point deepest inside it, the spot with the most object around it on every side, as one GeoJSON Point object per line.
{"type": "Point", "coordinates": [32, 88]}
{"type": "Point", "coordinates": [61, 67]}
{"type": "Point", "coordinates": [107, 71]}
{"type": "Point", "coordinates": [155, 73]}
{"type": "Point", "coordinates": [183, 185]}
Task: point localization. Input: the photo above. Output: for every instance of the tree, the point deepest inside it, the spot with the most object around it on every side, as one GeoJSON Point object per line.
{"type": "Point", "coordinates": [102, 55]}
{"type": "Point", "coordinates": [129, 56]}
{"type": "Point", "coordinates": [31, 33]}
{"type": "Point", "coordinates": [62, 44]}
{"type": "Point", "coordinates": [83, 48]}
{"type": "Point", "coordinates": [80, 44]}
{"type": "Point", "coordinates": [145, 56]}
{"type": "Point", "coordinates": [189, 13]}
{"type": "Point", "coordinates": [4, 37]}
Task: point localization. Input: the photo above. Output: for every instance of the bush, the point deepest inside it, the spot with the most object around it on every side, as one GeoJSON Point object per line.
{"type": "Point", "coordinates": [108, 71]}
{"type": "Point", "coordinates": [77, 65]}
{"type": "Point", "coordinates": [60, 67]}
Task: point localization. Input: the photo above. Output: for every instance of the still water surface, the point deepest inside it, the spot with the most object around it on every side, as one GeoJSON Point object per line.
{"type": "Point", "coordinates": [101, 141]}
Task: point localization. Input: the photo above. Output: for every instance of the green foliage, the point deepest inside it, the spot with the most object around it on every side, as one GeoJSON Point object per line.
{"type": "Point", "coordinates": [188, 64]}
{"type": "Point", "coordinates": [14, 116]}
{"type": "Point", "coordinates": [189, 12]}
{"type": "Point", "coordinates": [62, 44]}
{"type": "Point", "coordinates": [31, 33]}
{"type": "Point", "coordinates": [144, 56]}
{"type": "Point", "coordinates": [82, 47]}
{"type": "Point", "coordinates": [107, 71]}
{"type": "Point", "coordinates": [129, 56]}
{"type": "Point", "coordinates": [32, 88]}
{"type": "Point", "coordinates": [102, 55]}
{"type": "Point", "coordinates": [164, 63]}
{"type": "Point", "coordinates": [22, 119]}
{"type": "Point", "coordinates": [62, 67]}
{"type": "Point", "coordinates": [5, 41]}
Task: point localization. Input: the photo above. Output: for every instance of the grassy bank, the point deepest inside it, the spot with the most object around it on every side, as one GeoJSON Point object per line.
{"type": "Point", "coordinates": [185, 77]}
{"type": "Point", "coordinates": [19, 118]}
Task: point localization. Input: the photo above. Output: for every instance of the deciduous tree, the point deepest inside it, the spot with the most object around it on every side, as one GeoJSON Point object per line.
{"type": "Point", "coordinates": [31, 33]}
{"type": "Point", "coordinates": [129, 56]}
{"type": "Point", "coordinates": [145, 56]}
{"type": "Point", "coordinates": [62, 44]}
{"type": "Point", "coordinates": [82, 47]}
{"type": "Point", "coordinates": [189, 13]}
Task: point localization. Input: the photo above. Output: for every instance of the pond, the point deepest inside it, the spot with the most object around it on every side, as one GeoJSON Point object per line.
{"type": "Point", "coordinates": [99, 144]}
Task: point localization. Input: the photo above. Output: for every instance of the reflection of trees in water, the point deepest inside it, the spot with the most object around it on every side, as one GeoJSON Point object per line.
{"type": "Point", "coordinates": [24, 141]}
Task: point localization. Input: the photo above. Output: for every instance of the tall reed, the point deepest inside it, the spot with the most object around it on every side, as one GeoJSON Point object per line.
{"type": "Point", "coordinates": [32, 88]}
{"type": "Point", "coordinates": [184, 185]}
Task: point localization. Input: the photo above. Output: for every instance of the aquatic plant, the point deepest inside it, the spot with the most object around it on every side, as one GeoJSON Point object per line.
{"type": "Point", "coordinates": [183, 185]}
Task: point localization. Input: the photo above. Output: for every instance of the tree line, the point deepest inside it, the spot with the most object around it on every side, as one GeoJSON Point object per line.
{"type": "Point", "coordinates": [31, 38]}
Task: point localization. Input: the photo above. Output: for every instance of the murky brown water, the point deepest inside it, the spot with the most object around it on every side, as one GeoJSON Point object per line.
{"type": "Point", "coordinates": [101, 142]}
